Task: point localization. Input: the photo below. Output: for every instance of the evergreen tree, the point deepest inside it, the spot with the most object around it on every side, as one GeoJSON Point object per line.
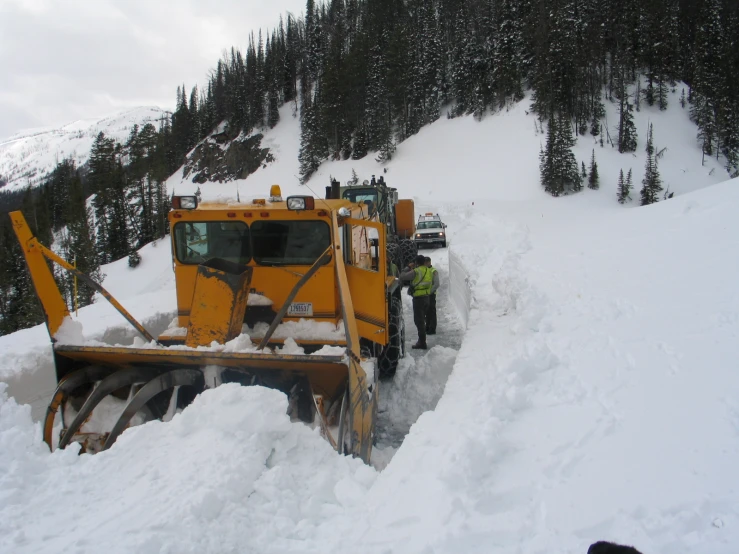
{"type": "Point", "coordinates": [134, 259]}
{"type": "Point", "coordinates": [462, 64]}
{"type": "Point", "coordinates": [729, 118]}
{"type": "Point", "coordinates": [118, 217]}
{"type": "Point", "coordinates": [377, 108]}
{"type": "Point", "coordinates": [312, 146]}
{"type": "Point", "coordinates": [181, 126]}
{"type": "Point", "coordinates": [652, 184]}
{"type": "Point", "coordinates": [386, 151]}
{"type": "Point", "coordinates": [360, 148]}
{"type": "Point", "coordinates": [108, 182]}
{"type": "Point", "coordinates": [79, 244]}
{"type": "Point", "coordinates": [556, 79]}
{"type": "Point", "coordinates": [257, 101]}
{"type": "Point", "coordinates": [557, 164]}
{"type": "Point", "coordinates": [19, 307]}
{"type": "Point", "coordinates": [546, 163]}
{"type": "Point", "coordinates": [333, 87]}
{"type": "Point", "coordinates": [595, 126]}
{"type": "Point", "coordinates": [593, 180]}
{"type": "Point", "coordinates": [196, 133]}
{"type": "Point", "coordinates": [626, 127]}
{"type": "Point", "coordinates": [58, 184]}
{"type": "Point", "coordinates": [507, 58]}
{"type": "Point", "coordinates": [658, 49]}
{"type": "Point", "coordinates": [11, 256]}
{"type": "Point", "coordinates": [100, 177]}
{"type": "Point", "coordinates": [314, 60]}
{"type": "Point", "coordinates": [707, 75]}
{"type": "Point", "coordinates": [428, 68]}
{"type": "Point", "coordinates": [291, 56]}
{"type": "Point", "coordinates": [566, 165]}
{"type": "Point", "coordinates": [624, 188]}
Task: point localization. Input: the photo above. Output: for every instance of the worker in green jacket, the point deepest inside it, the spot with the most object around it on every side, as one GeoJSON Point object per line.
{"type": "Point", "coordinates": [431, 313]}
{"type": "Point", "coordinates": [421, 280]}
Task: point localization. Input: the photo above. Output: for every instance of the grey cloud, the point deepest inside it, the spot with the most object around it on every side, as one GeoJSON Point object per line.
{"type": "Point", "coordinates": [63, 61]}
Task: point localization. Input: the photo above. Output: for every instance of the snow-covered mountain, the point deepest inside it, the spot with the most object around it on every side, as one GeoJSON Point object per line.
{"type": "Point", "coordinates": [27, 157]}
{"type": "Point", "coordinates": [582, 384]}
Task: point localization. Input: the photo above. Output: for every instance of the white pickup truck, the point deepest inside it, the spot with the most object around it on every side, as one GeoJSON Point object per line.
{"type": "Point", "coordinates": [430, 230]}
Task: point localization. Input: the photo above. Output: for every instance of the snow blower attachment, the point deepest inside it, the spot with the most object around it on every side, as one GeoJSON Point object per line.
{"type": "Point", "coordinates": [250, 278]}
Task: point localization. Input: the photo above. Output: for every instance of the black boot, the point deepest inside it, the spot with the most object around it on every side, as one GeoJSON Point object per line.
{"type": "Point", "coordinates": [420, 346]}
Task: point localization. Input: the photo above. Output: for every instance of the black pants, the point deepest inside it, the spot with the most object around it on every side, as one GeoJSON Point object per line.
{"type": "Point", "coordinates": [420, 308]}
{"type": "Point", "coordinates": [431, 315]}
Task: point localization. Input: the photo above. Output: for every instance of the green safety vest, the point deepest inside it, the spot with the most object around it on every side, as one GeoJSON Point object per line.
{"type": "Point", "coordinates": [422, 281]}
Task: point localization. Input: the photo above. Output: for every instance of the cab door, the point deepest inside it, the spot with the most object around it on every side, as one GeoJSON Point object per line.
{"type": "Point", "coordinates": [367, 276]}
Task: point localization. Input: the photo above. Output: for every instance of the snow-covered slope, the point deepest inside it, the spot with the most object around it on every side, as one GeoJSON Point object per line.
{"type": "Point", "coordinates": [26, 158]}
{"type": "Point", "coordinates": [593, 396]}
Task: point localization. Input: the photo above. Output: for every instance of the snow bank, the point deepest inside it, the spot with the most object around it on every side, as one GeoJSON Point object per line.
{"type": "Point", "coordinates": [232, 462]}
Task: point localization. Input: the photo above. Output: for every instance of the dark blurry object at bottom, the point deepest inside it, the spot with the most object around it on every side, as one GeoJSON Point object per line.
{"type": "Point", "coordinates": [604, 547]}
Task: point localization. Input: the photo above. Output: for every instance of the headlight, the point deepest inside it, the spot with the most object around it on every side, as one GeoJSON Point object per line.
{"type": "Point", "coordinates": [344, 212]}
{"type": "Point", "coordinates": [296, 203]}
{"type": "Point", "coordinates": [189, 202]}
{"type": "Point", "coordinates": [441, 234]}
{"type": "Point", "coordinates": [299, 203]}
{"type": "Point", "coordinates": [418, 236]}
{"type": "Point", "coordinates": [184, 202]}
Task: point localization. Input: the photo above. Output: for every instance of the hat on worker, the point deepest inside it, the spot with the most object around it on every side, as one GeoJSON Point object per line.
{"type": "Point", "coordinates": [420, 259]}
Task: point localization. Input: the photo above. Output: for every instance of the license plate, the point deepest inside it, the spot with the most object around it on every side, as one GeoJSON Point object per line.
{"type": "Point", "coordinates": [300, 309]}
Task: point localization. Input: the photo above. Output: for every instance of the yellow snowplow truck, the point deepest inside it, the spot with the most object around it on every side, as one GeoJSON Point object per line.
{"type": "Point", "coordinates": [240, 268]}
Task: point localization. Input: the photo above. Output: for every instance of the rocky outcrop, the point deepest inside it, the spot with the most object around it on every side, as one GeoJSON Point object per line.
{"type": "Point", "coordinates": [222, 157]}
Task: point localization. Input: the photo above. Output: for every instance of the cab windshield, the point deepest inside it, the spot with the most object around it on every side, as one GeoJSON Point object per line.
{"type": "Point", "coordinates": [429, 225]}
{"type": "Point", "coordinates": [362, 196]}
{"type": "Point", "coordinates": [289, 242]}
{"type": "Point", "coordinates": [199, 241]}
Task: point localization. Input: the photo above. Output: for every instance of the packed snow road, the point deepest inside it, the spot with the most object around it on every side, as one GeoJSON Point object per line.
{"type": "Point", "coordinates": [422, 374]}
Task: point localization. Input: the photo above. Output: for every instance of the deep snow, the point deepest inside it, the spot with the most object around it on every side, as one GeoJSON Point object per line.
{"type": "Point", "coordinates": [594, 394]}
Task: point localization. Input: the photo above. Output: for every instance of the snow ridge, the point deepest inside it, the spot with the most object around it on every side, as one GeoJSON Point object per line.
{"type": "Point", "coordinates": [27, 157]}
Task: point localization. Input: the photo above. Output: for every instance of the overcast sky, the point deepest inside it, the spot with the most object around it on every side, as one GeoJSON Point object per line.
{"type": "Point", "coordinates": [62, 60]}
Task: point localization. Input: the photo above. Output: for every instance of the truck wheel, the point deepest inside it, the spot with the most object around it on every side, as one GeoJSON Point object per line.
{"type": "Point", "coordinates": [408, 251]}
{"type": "Point", "coordinates": [393, 254]}
{"type": "Point", "coordinates": [388, 359]}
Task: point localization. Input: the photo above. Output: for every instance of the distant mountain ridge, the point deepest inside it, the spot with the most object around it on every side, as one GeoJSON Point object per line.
{"type": "Point", "coordinates": [28, 157]}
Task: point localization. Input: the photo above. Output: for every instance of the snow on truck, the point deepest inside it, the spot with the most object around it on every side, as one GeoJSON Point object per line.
{"type": "Point", "coordinates": [243, 271]}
